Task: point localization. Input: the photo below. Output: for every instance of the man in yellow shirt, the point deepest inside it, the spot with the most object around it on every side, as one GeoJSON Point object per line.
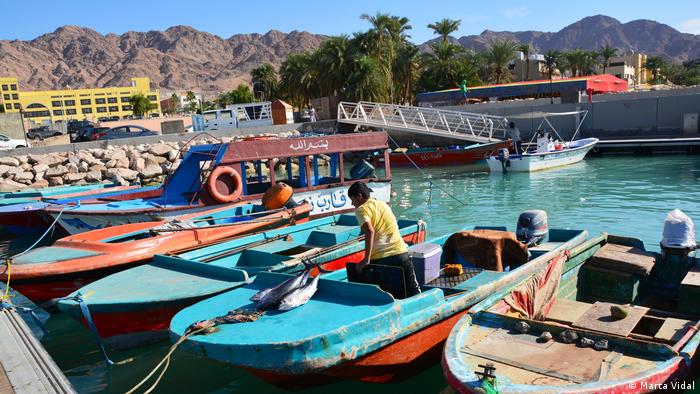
{"type": "Point", "coordinates": [383, 242]}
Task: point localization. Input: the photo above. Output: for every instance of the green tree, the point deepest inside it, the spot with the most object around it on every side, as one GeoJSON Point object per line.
{"type": "Point", "coordinates": [366, 81]}
{"type": "Point", "coordinates": [498, 54]}
{"type": "Point", "coordinates": [265, 79]}
{"type": "Point", "coordinates": [445, 27]}
{"type": "Point", "coordinates": [606, 53]}
{"type": "Point", "coordinates": [406, 70]}
{"type": "Point", "coordinates": [332, 57]}
{"type": "Point", "coordinates": [297, 79]}
{"type": "Point", "coordinates": [552, 58]}
{"type": "Point", "coordinates": [174, 102]}
{"type": "Point", "coordinates": [655, 64]}
{"type": "Point", "coordinates": [192, 102]}
{"type": "Point", "coordinates": [525, 49]}
{"type": "Point", "coordinates": [140, 105]}
{"type": "Point", "coordinates": [445, 67]}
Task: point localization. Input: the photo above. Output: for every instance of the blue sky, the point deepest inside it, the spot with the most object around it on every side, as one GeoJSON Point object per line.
{"type": "Point", "coordinates": [27, 20]}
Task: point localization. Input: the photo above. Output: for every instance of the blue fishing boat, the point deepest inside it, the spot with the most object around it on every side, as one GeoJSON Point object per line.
{"type": "Point", "coordinates": [610, 317]}
{"type": "Point", "coordinates": [243, 170]}
{"type": "Point", "coordinates": [34, 194]}
{"type": "Point", "coordinates": [358, 331]}
{"type": "Point", "coordinates": [136, 305]}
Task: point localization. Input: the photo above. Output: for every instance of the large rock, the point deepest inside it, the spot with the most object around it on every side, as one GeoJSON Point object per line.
{"type": "Point", "coordinates": [74, 159]}
{"type": "Point", "coordinates": [38, 184]}
{"type": "Point", "coordinates": [3, 169]}
{"type": "Point", "coordinates": [25, 177]}
{"type": "Point", "coordinates": [58, 171]}
{"type": "Point", "coordinates": [55, 181]}
{"type": "Point", "coordinates": [137, 164]}
{"type": "Point", "coordinates": [160, 149]}
{"type": "Point", "coordinates": [83, 166]}
{"type": "Point", "coordinates": [173, 154]}
{"type": "Point", "coordinates": [151, 170]}
{"type": "Point", "coordinates": [26, 166]}
{"type": "Point", "coordinates": [22, 159]}
{"type": "Point", "coordinates": [73, 177]}
{"type": "Point", "coordinates": [93, 176]}
{"type": "Point", "coordinates": [98, 167]}
{"type": "Point", "coordinates": [12, 171]}
{"type": "Point", "coordinates": [8, 185]}
{"type": "Point", "coordinates": [9, 161]}
{"type": "Point", "coordinates": [124, 173]}
{"type": "Point", "coordinates": [40, 168]}
{"type": "Point", "coordinates": [72, 168]}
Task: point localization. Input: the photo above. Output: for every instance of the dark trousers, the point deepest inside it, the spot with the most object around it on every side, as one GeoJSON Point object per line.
{"type": "Point", "coordinates": [518, 147]}
{"type": "Point", "coordinates": [409, 274]}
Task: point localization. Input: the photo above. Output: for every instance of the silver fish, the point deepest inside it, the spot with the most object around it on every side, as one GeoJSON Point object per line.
{"type": "Point", "coordinates": [271, 297]}
{"type": "Point", "coordinates": [299, 296]}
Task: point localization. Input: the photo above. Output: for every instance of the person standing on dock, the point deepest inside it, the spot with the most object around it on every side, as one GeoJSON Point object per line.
{"type": "Point", "coordinates": [383, 242]}
{"type": "Point", "coordinates": [515, 137]}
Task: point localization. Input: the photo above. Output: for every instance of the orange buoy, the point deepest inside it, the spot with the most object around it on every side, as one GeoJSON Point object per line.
{"type": "Point", "coordinates": [225, 184]}
{"type": "Point", "coordinates": [277, 196]}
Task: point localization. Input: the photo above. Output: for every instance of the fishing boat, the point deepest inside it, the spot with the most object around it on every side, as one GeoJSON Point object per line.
{"type": "Point", "coordinates": [551, 151]}
{"type": "Point", "coordinates": [35, 194]}
{"type": "Point", "coordinates": [72, 262]}
{"type": "Point", "coordinates": [358, 331]}
{"type": "Point", "coordinates": [30, 218]}
{"type": "Point", "coordinates": [444, 156]}
{"type": "Point", "coordinates": [135, 306]}
{"type": "Point", "coordinates": [610, 317]}
{"type": "Point", "coordinates": [242, 171]}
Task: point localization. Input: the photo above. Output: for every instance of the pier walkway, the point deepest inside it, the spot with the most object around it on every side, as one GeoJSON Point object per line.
{"type": "Point", "coordinates": [466, 126]}
{"type": "Point", "coordinates": [25, 366]}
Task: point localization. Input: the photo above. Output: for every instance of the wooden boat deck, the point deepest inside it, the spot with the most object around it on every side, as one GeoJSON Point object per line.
{"type": "Point", "coordinates": [25, 366]}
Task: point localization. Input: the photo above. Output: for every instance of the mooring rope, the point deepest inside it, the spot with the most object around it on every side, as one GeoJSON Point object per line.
{"type": "Point", "coordinates": [430, 182]}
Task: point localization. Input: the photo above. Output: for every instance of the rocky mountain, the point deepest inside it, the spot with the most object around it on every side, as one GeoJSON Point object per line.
{"type": "Point", "coordinates": [184, 58]}
{"type": "Point", "coordinates": [178, 58]}
{"type": "Point", "coordinates": [593, 32]}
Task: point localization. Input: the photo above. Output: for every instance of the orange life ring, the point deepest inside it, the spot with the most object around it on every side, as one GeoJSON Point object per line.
{"type": "Point", "coordinates": [235, 186]}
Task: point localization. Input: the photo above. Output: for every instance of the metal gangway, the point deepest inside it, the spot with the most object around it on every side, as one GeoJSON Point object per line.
{"type": "Point", "coordinates": [466, 126]}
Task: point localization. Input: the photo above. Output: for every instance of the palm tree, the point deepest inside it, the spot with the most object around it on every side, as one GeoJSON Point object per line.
{"type": "Point", "coordinates": [551, 61]}
{"type": "Point", "coordinates": [140, 105]}
{"type": "Point", "coordinates": [655, 64]}
{"type": "Point", "coordinates": [607, 52]}
{"type": "Point", "coordinates": [296, 78]}
{"type": "Point", "coordinates": [406, 71]}
{"type": "Point", "coordinates": [499, 53]}
{"type": "Point", "coordinates": [444, 27]}
{"type": "Point", "coordinates": [366, 80]}
{"type": "Point", "coordinates": [590, 62]}
{"type": "Point", "coordinates": [525, 49]}
{"type": "Point", "coordinates": [332, 58]}
{"type": "Point", "coordinates": [265, 77]}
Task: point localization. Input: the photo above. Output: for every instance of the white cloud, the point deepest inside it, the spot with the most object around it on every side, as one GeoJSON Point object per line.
{"type": "Point", "coordinates": [691, 26]}
{"type": "Point", "coordinates": [516, 12]}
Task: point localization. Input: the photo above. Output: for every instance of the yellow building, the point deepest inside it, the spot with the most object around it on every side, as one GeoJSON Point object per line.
{"type": "Point", "coordinates": [59, 106]}
{"type": "Point", "coordinates": [630, 68]}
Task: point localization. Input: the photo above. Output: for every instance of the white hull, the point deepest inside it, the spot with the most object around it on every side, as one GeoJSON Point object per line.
{"type": "Point", "coordinates": [542, 161]}
{"type": "Point", "coordinates": [336, 199]}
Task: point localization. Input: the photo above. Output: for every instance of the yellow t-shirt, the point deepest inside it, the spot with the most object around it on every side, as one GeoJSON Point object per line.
{"type": "Point", "coordinates": [387, 238]}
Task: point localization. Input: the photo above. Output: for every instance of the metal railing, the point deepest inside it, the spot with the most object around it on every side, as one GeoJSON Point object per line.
{"type": "Point", "coordinates": [466, 126]}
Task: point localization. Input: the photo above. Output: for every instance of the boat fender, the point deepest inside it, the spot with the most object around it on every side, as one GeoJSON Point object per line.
{"type": "Point", "coordinates": [235, 190]}
{"type": "Point", "coordinates": [277, 196]}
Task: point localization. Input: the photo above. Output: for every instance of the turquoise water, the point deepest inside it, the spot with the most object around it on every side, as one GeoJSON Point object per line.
{"type": "Point", "coordinates": [622, 195]}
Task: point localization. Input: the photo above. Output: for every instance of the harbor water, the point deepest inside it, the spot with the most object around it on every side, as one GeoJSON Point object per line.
{"type": "Point", "coordinates": [627, 195]}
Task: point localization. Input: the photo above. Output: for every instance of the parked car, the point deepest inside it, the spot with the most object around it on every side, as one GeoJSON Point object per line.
{"type": "Point", "coordinates": [11, 143]}
{"type": "Point", "coordinates": [42, 132]}
{"type": "Point", "coordinates": [128, 131]}
{"type": "Point", "coordinates": [75, 127]}
{"type": "Point", "coordinates": [87, 133]}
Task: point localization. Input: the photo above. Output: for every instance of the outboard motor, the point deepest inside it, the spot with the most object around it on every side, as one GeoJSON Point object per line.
{"type": "Point", "coordinates": [504, 158]}
{"type": "Point", "coordinates": [532, 227]}
{"type": "Point", "coordinates": [677, 254]}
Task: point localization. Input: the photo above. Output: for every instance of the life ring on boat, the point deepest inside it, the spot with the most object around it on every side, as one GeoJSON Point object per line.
{"type": "Point", "coordinates": [228, 179]}
{"type": "Point", "coordinates": [277, 196]}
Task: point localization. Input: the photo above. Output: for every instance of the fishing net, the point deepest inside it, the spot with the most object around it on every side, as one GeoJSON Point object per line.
{"type": "Point", "coordinates": [232, 317]}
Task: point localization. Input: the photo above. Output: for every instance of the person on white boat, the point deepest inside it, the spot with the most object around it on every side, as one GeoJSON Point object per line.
{"type": "Point", "coordinates": [515, 137]}
{"type": "Point", "coordinates": [544, 142]}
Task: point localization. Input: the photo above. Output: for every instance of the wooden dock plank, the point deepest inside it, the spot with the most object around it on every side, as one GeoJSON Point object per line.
{"type": "Point", "coordinates": [598, 318]}
{"type": "Point", "coordinates": [27, 366]}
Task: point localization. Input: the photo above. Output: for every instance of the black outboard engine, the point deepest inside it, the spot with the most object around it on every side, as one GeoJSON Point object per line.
{"type": "Point", "coordinates": [504, 158]}
{"type": "Point", "coordinates": [532, 227]}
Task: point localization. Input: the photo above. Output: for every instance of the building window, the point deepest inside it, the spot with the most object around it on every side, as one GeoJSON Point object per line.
{"type": "Point", "coordinates": [15, 96]}
{"type": "Point", "coordinates": [4, 87]}
{"type": "Point", "coordinates": [85, 95]}
{"type": "Point", "coordinates": [58, 112]}
{"type": "Point", "coordinates": [111, 100]}
{"type": "Point", "coordinates": [8, 106]}
{"type": "Point", "coordinates": [6, 96]}
{"type": "Point", "coordinates": [69, 103]}
{"type": "Point", "coordinates": [113, 108]}
{"type": "Point", "coordinates": [152, 97]}
{"type": "Point", "coordinates": [85, 102]}
{"type": "Point", "coordinates": [13, 87]}
{"type": "Point", "coordinates": [126, 108]}
{"type": "Point", "coordinates": [56, 103]}
{"type": "Point", "coordinates": [126, 99]}
{"type": "Point", "coordinates": [17, 106]}
{"type": "Point", "coordinates": [87, 110]}
{"type": "Point", "coordinates": [101, 109]}
{"type": "Point", "coordinates": [71, 111]}
{"type": "Point", "coordinates": [100, 101]}
{"type": "Point", "coordinates": [36, 114]}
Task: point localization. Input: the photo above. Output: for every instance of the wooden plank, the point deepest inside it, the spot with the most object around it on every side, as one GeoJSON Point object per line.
{"type": "Point", "coordinates": [28, 366]}
{"type": "Point", "coordinates": [5, 385]}
{"type": "Point", "coordinates": [624, 259]}
{"type": "Point", "coordinates": [691, 279]}
{"type": "Point", "coordinates": [598, 318]}
{"type": "Point", "coordinates": [567, 311]}
{"type": "Point", "coordinates": [673, 329]}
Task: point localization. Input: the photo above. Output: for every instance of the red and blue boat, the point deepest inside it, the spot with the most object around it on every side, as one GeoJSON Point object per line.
{"type": "Point", "coordinates": [454, 155]}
